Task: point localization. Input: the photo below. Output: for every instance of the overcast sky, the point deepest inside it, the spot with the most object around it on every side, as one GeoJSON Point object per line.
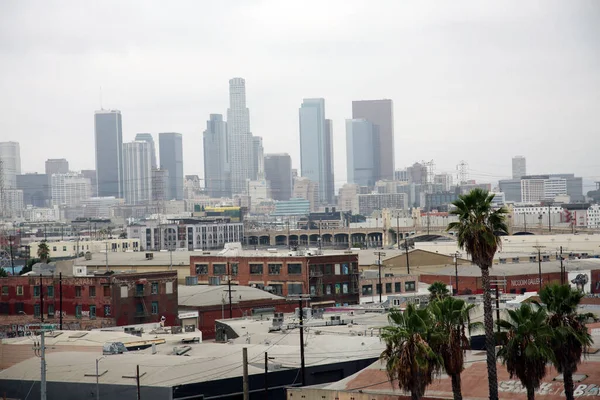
{"type": "Point", "coordinates": [479, 81]}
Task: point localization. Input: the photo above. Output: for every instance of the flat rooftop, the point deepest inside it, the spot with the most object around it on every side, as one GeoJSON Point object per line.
{"type": "Point", "coordinates": [208, 295]}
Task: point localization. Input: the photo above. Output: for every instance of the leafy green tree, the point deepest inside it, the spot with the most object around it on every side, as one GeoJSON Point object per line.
{"type": "Point", "coordinates": [526, 345]}
{"type": "Point", "coordinates": [477, 232]}
{"type": "Point", "coordinates": [438, 291]}
{"type": "Point", "coordinates": [570, 335]}
{"type": "Point", "coordinates": [3, 273]}
{"type": "Point", "coordinates": [450, 324]}
{"type": "Point", "coordinates": [410, 360]}
{"type": "Point", "coordinates": [43, 251]}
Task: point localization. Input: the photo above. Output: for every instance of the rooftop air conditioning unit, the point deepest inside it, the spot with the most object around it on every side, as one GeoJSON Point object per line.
{"type": "Point", "coordinates": [88, 256]}
{"type": "Point", "coordinates": [191, 280]}
{"type": "Point", "coordinates": [149, 256]}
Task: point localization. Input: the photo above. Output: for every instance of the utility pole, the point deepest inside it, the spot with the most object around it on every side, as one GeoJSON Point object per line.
{"type": "Point", "coordinates": [288, 236]}
{"type": "Point", "coordinates": [170, 258]}
{"type": "Point", "coordinates": [106, 254]}
{"type": "Point", "coordinates": [562, 268]}
{"type": "Point", "coordinates": [98, 379]}
{"type": "Point", "coordinates": [407, 263]}
{"type": "Point", "coordinates": [379, 286]}
{"type": "Point", "coordinates": [245, 377]}
{"type": "Point", "coordinates": [549, 220]}
{"type": "Point", "coordinates": [42, 344]}
{"type": "Point", "coordinates": [398, 230]}
{"type": "Point", "coordinates": [302, 366]}
{"type": "Point", "coordinates": [60, 305]}
{"type": "Point", "coordinates": [12, 260]}
{"type": "Point", "coordinates": [137, 381]}
{"type": "Point", "coordinates": [266, 379]}
{"type": "Point", "coordinates": [538, 247]}
{"type": "Point", "coordinates": [497, 306]}
{"type": "Point", "coordinates": [456, 255]}
{"type": "Point", "coordinates": [229, 288]}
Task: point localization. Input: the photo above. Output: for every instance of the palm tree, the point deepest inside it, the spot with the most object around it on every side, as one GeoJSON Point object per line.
{"type": "Point", "coordinates": [526, 346]}
{"type": "Point", "coordinates": [477, 232]}
{"type": "Point", "coordinates": [571, 336]}
{"type": "Point", "coordinates": [438, 291]}
{"type": "Point", "coordinates": [409, 358]}
{"type": "Point", "coordinates": [43, 251]}
{"type": "Point", "coordinates": [450, 322]}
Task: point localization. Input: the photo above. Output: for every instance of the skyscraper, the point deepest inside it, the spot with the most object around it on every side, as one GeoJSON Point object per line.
{"type": "Point", "coordinates": [258, 158]}
{"type": "Point", "coordinates": [360, 152]}
{"type": "Point", "coordinates": [278, 172]}
{"type": "Point", "coordinates": [171, 158]}
{"type": "Point", "coordinates": [381, 114]}
{"type": "Point", "coordinates": [240, 142]}
{"type": "Point", "coordinates": [519, 167]}
{"type": "Point", "coordinates": [217, 174]}
{"type": "Point", "coordinates": [10, 154]}
{"type": "Point", "coordinates": [316, 153]}
{"type": "Point", "coordinates": [56, 166]}
{"type": "Point", "coordinates": [137, 162]}
{"type": "Point", "coordinates": [147, 137]}
{"type": "Point", "coordinates": [69, 189]}
{"type": "Point", "coordinates": [109, 153]}
{"type": "Point", "coordinates": [36, 189]}
{"type": "Point", "coordinates": [91, 175]}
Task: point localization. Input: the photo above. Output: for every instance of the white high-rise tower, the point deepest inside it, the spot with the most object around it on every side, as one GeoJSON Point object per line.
{"type": "Point", "coordinates": [137, 162]}
{"type": "Point", "coordinates": [240, 142]}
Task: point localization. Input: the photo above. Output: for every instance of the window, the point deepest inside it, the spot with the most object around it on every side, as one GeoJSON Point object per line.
{"type": "Point", "coordinates": [327, 289]}
{"type": "Point", "coordinates": [106, 290]}
{"type": "Point", "coordinates": [154, 307]}
{"type": "Point", "coordinates": [169, 287]}
{"type": "Point", "coordinates": [50, 310]}
{"type": "Point", "coordinates": [328, 269]}
{"type": "Point", "coordinates": [78, 311]}
{"type": "Point", "coordinates": [409, 286]}
{"type": "Point", "coordinates": [19, 290]}
{"type": "Point", "coordinates": [274, 269]}
{"type": "Point", "coordinates": [4, 290]}
{"type": "Point", "coordinates": [345, 269]}
{"type": "Point", "coordinates": [92, 312]}
{"type": "Point", "coordinates": [345, 288]}
{"type": "Point", "coordinates": [201, 269]}
{"type": "Point", "coordinates": [277, 289]}
{"type": "Point", "coordinates": [313, 290]}
{"type": "Point", "coordinates": [64, 248]}
{"type": "Point", "coordinates": [256, 269]}
{"type": "Point", "coordinates": [106, 310]}
{"type": "Point", "coordinates": [294, 288]}
{"type": "Point", "coordinates": [36, 310]}
{"type": "Point", "coordinates": [388, 287]}
{"type": "Point", "coordinates": [53, 248]}
{"type": "Point", "coordinates": [19, 307]}
{"type": "Point", "coordinates": [50, 291]}
{"type": "Point", "coordinates": [398, 287]}
{"type": "Point", "coordinates": [154, 288]}
{"type": "Point", "coordinates": [234, 268]}
{"type": "Point", "coordinates": [219, 269]}
{"type": "Point", "coordinates": [92, 291]}
{"type": "Point", "coordinates": [36, 291]}
{"type": "Point", "coordinates": [294, 269]}
{"type": "Point", "coordinates": [139, 289]}
{"type": "Point", "coordinates": [4, 308]}
{"type": "Point", "coordinates": [367, 290]}
{"type": "Point", "coordinates": [77, 291]}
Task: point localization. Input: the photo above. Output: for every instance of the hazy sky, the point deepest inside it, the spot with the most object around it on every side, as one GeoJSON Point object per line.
{"type": "Point", "coordinates": [478, 81]}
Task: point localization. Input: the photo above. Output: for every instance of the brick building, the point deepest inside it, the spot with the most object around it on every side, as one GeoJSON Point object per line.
{"type": "Point", "coordinates": [330, 279]}
{"type": "Point", "coordinates": [88, 301]}
{"type": "Point", "coordinates": [211, 302]}
{"type": "Point", "coordinates": [391, 284]}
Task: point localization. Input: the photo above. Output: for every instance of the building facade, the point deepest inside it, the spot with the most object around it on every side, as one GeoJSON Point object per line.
{"type": "Point", "coordinates": [316, 152]}
{"type": "Point", "coordinates": [278, 172]}
{"type": "Point", "coordinates": [100, 207]}
{"type": "Point", "coordinates": [11, 202]}
{"type": "Point", "coordinates": [519, 167]}
{"type": "Point", "coordinates": [160, 185]}
{"type": "Point", "coordinates": [240, 142]}
{"type": "Point", "coordinates": [329, 279]}
{"type": "Point", "coordinates": [147, 137]}
{"type": "Point", "coordinates": [171, 158]}
{"type": "Point", "coordinates": [70, 189]}
{"type": "Point", "coordinates": [348, 198]}
{"type": "Point", "coordinates": [137, 162]}
{"type": "Point", "coordinates": [511, 189]}
{"type": "Point", "coordinates": [368, 203]}
{"type": "Point", "coordinates": [91, 175]}
{"type": "Point", "coordinates": [361, 152]}
{"type": "Point", "coordinates": [381, 114]}
{"type": "Point", "coordinates": [36, 189]}
{"type": "Point", "coordinates": [306, 189]}
{"type": "Point", "coordinates": [217, 173]}
{"type": "Point", "coordinates": [10, 156]}
{"type": "Point", "coordinates": [56, 166]}
{"type": "Point", "coordinates": [109, 152]}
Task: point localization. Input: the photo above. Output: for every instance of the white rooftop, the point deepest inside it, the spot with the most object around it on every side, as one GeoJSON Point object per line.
{"type": "Point", "coordinates": [208, 295]}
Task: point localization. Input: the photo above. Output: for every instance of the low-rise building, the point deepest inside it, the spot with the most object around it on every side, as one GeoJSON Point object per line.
{"type": "Point", "coordinates": [367, 203]}
{"type": "Point", "coordinates": [391, 285]}
{"type": "Point", "coordinates": [75, 246]}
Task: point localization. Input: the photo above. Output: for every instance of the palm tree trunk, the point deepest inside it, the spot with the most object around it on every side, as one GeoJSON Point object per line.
{"type": "Point", "coordinates": [456, 386]}
{"type": "Point", "coordinates": [414, 396]}
{"type": "Point", "coordinates": [568, 384]}
{"type": "Point", "coordinates": [490, 343]}
{"type": "Point", "coordinates": [530, 393]}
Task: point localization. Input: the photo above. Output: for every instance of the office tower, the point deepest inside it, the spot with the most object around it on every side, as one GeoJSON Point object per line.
{"type": "Point", "coordinates": [10, 154]}
{"type": "Point", "coordinates": [240, 142]}
{"type": "Point", "coordinates": [147, 137]}
{"type": "Point", "coordinates": [519, 167]}
{"type": "Point", "coordinates": [12, 203]}
{"type": "Point", "coordinates": [36, 189]}
{"type": "Point", "coordinates": [401, 175]}
{"type": "Point", "coordinates": [443, 182]}
{"type": "Point", "coordinates": [258, 158]}
{"type": "Point", "coordinates": [69, 189]}
{"type": "Point", "coordinates": [348, 198]}
{"type": "Point", "coordinates": [91, 175]}
{"type": "Point", "coordinates": [574, 186]}
{"type": "Point", "coordinates": [160, 185]}
{"type": "Point", "coordinates": [191, 187]}
{"type": "Point", "coordinates": [217, 173]}
{"type": "Point", "coordinates": [417, 173]}
{"type": "Point", "coordinates": [171, 158]}
{"type": "Point", "coordinates": [278, 172]}
{"type": "Point", "coordinates": [56, 166]}
{"type": "Point", "coordinates": [360, 152]}
{"type": "Point", "coordinates": [316, 152]}
{"type": "Point", "coordinates": [381, 114]}
{"type": "Point", "coordinates": [511, 189]}
{"type": "Point", "coordinates": [109, 157]}
{"type": "Point", "coordinates": [137, 171]}
{"type": "Point", "coordinates": [306, 189]}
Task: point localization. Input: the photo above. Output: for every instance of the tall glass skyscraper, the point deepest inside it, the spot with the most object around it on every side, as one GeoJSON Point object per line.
{"type": "Point", "coordinates": [109, 153]}
{"type": "Point", "coordinates": [170, 146]}
{"type": "Point", "coordinates": [316, 153]}
{"type": "Point", "coordinates": [137, 161]}
{"type": "Point", "coordinates": [241, 146]}
{"type": "Point", "coordinates": [360, 152]}
{"type": "Point", "coordinates": [278, 172]}
{"type": "Point", "coordinates": [147, 137]}
{"type": "Point", "coordinates": [217, 175]}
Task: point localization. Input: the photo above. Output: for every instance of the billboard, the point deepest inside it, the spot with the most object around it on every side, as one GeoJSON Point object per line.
{"type": "Point", "coordinates": [581, 280]}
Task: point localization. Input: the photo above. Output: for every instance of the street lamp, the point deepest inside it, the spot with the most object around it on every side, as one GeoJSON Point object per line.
{"type": "Point", "coordinates": [97, 378]}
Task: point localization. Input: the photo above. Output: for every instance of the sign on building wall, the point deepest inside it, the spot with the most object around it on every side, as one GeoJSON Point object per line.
{"type": "Point", "coordinates": [581, 280]}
